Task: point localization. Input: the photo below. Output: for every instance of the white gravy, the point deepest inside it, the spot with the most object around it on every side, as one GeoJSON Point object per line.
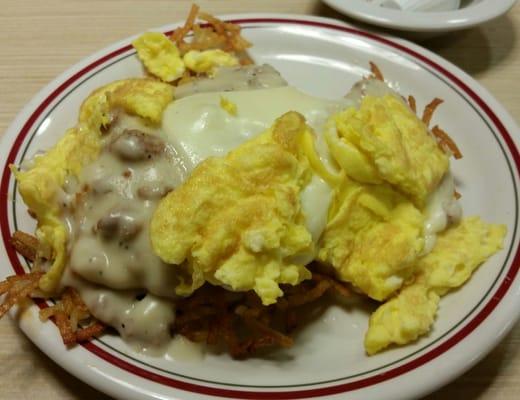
{"type": "Point", "coordinates": [442, 209]}
{"type": "Point", "coordinates": [111, 262]}
{"type": "Point", "coordinates": [109, 222]}
{"type": "Point", "coordinates": [141, 319]}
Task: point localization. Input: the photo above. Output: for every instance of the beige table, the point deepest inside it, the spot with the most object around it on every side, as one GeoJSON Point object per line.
{"type": "Point", "coordinates": [40, 39]}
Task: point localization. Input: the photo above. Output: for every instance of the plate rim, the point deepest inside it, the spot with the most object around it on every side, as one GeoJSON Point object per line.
{"type": "Point", "coordinates": [122, 46]}
{"type": "Point", "coordinates": [438, 21]}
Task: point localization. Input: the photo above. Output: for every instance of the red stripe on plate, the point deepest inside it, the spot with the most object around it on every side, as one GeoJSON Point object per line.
{"type": "Point", "coordinates": [296, 394]}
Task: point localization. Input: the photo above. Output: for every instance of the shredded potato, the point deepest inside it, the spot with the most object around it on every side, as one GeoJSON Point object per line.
{"type": "Point", "coordinates": [412, 103]}
{"type": "Point", "coordinates": [446, 142]}
{"type": "Point", "coordinates": [376, 72]}
{"type": "Point", "coordinates": [430, 109]}
{"type": "Point", "coordinates": [16, 288]}
{"type": "Point", "coordinates": [68, 313]}
{"type": "Point", "coordinates": [213, 34]}
{"type": "Point", "coordinates": [179, 34]}
{"type": "Point", "coordinates": [240, 322]}
{"type": "Point", "coordinates": [25, 244]}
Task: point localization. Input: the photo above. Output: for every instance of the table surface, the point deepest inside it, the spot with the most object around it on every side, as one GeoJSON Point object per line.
{"type": "Point", "coordinates": [40, 39]}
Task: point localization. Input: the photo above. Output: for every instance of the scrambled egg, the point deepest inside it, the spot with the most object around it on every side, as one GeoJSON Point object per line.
{"type": "Point", "coordinates": [458, 252]}
{"type": "Point", "coordinates": [42, 183]}
{"type": "Point", "coordinates": [237, 221]}
{"type": "Point", "coordinates": [373, 237]}
{"type": "Point", "coordinates": [230, 107]}
{"type": "Point", "coordinates": [384, 141]}
{"type": "Point", "coordinates": [160, 56]}
{"type": "Point", "coordinates": [144, 98]}
{"type": "Point", "coordinates": [207, 61]}
{"type": "Point", "coordinates": [375, 230]}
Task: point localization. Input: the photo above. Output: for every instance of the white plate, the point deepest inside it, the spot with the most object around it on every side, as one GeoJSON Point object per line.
{"type": "Point", "coordinates": [474, 12]}
{"type": "Point", "coordinates": [324, 58]}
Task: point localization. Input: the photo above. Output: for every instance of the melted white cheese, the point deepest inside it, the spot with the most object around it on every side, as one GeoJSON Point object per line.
{"type": "Point", "coordinates": [202, 128]}
{"type": "Point", "coordinates": [315, 198]}
{"type": "Point", "coordinates": [442, 209]}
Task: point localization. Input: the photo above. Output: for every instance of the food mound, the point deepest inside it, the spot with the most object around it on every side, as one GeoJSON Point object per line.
{"type": "Point", "coordinates": [212, 200]}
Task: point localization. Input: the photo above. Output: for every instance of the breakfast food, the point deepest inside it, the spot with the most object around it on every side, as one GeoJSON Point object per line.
{"type": "Point", "coordinates": [192, 211]}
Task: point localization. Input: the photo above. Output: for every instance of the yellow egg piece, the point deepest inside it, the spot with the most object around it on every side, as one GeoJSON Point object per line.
{"type": "Point", "coordinates": [230, 107]}
{"type": "Point", "coordinates": [160, 56]}
{"type": "Point", "coordinates": [146, 98]}
{"type": "Point", "coordinates": [373, 238]}
{"type": "Point", "coordinates": [402, 319]}
{"type": "Point", "coordinates": [207, 61]}
{"type": "Point", "coordinates": [457, 253]}
{"type": "Point", "coordinates": [40, 185]}
{"type": "Point", "coordinates": [384, 140]}
{"type": "Point", "coordinates": [237, 221]}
